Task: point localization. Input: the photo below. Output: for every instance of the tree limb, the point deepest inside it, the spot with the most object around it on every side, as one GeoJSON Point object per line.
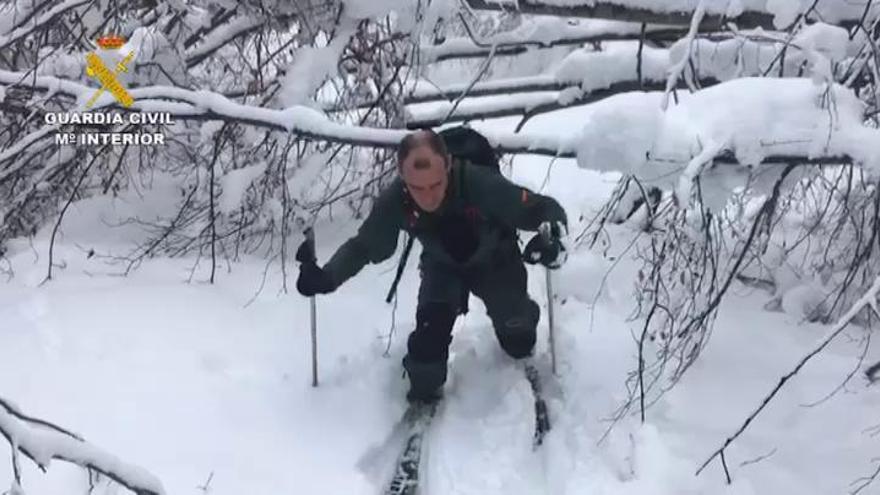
{"type": "Point", "coordinates": [41, 441]}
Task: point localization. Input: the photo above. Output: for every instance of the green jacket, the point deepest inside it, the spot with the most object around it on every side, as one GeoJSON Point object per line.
{"type": "Point", "coordinates": [493, 205]}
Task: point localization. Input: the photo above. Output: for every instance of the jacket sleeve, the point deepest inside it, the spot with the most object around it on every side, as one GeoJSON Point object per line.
{"type": "Point", "coordinates": [509, 203]}
{"type": "Point", "coordinates": [375, 240]}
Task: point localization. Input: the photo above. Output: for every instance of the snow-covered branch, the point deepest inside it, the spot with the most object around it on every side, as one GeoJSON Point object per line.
{"type": "Point", "coordinates": [526, 105]}
{"type": "Point", "coordinates": [43, 20]}
{"type": "Point", "coordinates": [207, 105]}
{"type": "Point", "coordinates": [750, 14]}
{"type": "Point", "coordinates": [212, 41]}
{"type": "Point", "coordinates": [678, 67]}
{"type": "Point", "coordinates": [311, 123]}
{"type": "Point", "coordinates": [17, 13]}
{"type": "Point", "coordinates": [41, 441]}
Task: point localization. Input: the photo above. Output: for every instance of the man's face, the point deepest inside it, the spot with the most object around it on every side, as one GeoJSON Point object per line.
{"type": "Point", "coordinates": [426, 184]}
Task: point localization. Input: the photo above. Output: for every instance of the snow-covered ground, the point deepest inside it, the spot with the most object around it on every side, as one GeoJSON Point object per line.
{"type": "Point", "coordinates": [195, 381]}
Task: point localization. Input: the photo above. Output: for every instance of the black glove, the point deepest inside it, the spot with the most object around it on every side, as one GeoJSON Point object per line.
{"type": "Point", "coordinates": [547, 247]}
{"type": "Point", "coordinates": [313, 280]}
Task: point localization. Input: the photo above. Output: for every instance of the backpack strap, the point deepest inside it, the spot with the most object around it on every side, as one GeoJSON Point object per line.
{"type": "Point", "coordinates": [410, 214]}
{"type": "Point", "coordinates": [401, 265]}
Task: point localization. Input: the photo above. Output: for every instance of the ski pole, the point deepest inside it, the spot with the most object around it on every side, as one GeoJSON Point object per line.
{"type": "Point", "coordinates": [306, 254]}
{"type": "Point", "coordinates": [549, 278]}
{"type": "Point", "coordinates": [314, 316]}
{"type": "Point", "coordinates": [545, 232]}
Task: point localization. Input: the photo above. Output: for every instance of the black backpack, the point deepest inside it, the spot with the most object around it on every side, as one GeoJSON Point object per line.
{"type": "Point", "coordinates": [466, 144]}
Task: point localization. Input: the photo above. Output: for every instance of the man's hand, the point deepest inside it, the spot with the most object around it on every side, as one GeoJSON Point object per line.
{"type": "Point", "coordinates": [547, 247]}
{"type": "Point", "coordinates": [313, 280]}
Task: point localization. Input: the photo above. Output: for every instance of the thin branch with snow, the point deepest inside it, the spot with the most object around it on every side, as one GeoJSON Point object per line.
{"type": "Point", "coordinates": [41, 441]}
{"type": "Point", "coordinates": [676, 70]}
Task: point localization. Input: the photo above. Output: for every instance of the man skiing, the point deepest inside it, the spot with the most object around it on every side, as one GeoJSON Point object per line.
{"type": "Point", "coordinates": [465, 216]}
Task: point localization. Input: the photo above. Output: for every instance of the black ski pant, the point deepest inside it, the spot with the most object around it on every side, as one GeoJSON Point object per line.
{"type": "Point", "coordinates": [500, 283]}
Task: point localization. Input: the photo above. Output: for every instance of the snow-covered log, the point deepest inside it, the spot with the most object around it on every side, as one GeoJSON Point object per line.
{"type": "Point", "coordinates": [585, 76]}
{"type": "Point", "coordinates": [546, 33]}
{"type": "Point", "coordinates": [745, 14]}
{"type": "Point", "coordinates": [41, 442]}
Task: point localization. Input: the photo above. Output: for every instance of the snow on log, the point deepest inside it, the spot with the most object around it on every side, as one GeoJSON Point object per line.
{"type": "Point", "coordinates": [545, 32]}
{"type": "Point", "coordinates": [766, 14]}
{"type": "Point", "coordinates": [585, 76]}
{"type": "Point", "coordinates": [41, 442]}
{"type": "Point", "coordinates": [585, 69]}
{"type": "Point", "coordinates": [753, 120]}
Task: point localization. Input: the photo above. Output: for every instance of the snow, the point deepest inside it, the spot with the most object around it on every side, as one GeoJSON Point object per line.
{"type": "Point", "coordinates": [312, 66]}
{"type": "Point", "coordinates": [235, 183]}
{"type": "Point", "coordinates": [222, 34]}
{"type": "Point", "coordinates": [752, 117]}
{"type": "Point", "coordinates": [831, 41]}
{"type": "Point", "coordinates": [7, 37]}
{"type": "Point", "coordinates": [784, 11]}
{"type": "Point", "coordinates": [11, 14]}
{"type": "Point", "coordinates": [43, 445]}
{"type": "Point", "coordinates": [596, 70]}
{"type": "Point", "coordinates": [195, 381]}
{"type": "Point", "coordinates": [191, 380]}
{"type": "Point", "coordinates": [542, 30]}
{"type": "Point", "coordinates": [185, 102]}
{"type": "Point", "coordinates": [678, 64]}
{"type": "Point", "coordinates": [438, 111]}
{"type": "Point", "coordinates": [589, 70]}
{"type": "Point", "coordinates": [300, 183]}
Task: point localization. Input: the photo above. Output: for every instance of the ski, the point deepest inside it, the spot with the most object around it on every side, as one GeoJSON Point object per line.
{"type": "Point", "coordinates": [542, 419]}
{"type": "Point", "coordinates": [405, 480]}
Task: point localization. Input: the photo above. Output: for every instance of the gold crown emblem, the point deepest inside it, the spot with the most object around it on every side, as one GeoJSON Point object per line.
{"type": "Point", "coordinates": [111, 42]}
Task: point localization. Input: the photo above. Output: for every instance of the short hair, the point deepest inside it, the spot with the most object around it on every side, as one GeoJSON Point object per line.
{"type": "Point", "coordinates": [417, 139]}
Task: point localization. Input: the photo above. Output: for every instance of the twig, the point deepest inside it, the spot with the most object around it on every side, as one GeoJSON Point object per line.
{"type": "Point", "coordinates": [479, 75]}
{"type": "Point", "coordinates": [757, 459]}
{"type": "Point", "coordinates": [677, 69]}
{"type": "Point", "coordinates": [855, 369]}
{"type": "Point", "coordinates": [866, 480]}
{"type": "Point", "coordinates": [867, 300]}
{"type": "Point", "coordinates": [207, 485]}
